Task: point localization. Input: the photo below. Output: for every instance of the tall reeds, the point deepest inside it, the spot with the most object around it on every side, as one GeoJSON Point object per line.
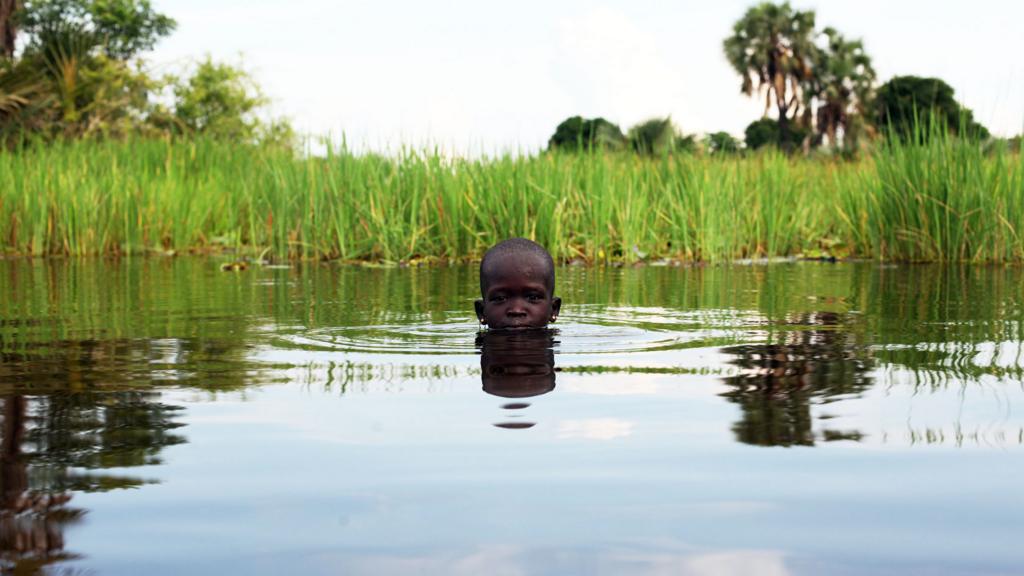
{"type": "Point", "coordinates": [945, 200]}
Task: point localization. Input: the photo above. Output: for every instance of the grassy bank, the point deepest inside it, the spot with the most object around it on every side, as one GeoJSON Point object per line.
{"type": "Point", "coordinates": [943, 201]}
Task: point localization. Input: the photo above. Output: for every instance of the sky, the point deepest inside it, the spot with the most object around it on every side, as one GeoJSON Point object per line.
{"type": "Point", "coordinates": [494, 77]}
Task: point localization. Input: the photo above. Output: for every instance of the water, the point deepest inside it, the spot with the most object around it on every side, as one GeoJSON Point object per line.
{"type": "Point", "coordinates": [166, 417]}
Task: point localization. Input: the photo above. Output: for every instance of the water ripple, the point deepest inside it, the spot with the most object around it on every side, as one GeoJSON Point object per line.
{"type": "Point", "coordinates": [581, 330]}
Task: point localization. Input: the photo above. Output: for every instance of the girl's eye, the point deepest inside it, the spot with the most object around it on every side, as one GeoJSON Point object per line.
{"type": "Point", "coordinates": [497, 299]}
{"type": "Point", "coordinates": [535, 297]}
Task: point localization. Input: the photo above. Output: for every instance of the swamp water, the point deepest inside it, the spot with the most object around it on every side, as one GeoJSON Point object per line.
{"type": "Point", "coordinates": [165, 417]}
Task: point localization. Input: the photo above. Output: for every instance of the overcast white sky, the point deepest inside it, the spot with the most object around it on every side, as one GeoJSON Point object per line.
{"type": "Point", "coordinates": [478, 76]}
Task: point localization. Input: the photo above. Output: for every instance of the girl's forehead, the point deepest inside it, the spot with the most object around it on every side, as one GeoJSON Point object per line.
{"type": "Point", "coordinates": [517, 269]}
{"type": "Point", "coordinates": [512, 259]}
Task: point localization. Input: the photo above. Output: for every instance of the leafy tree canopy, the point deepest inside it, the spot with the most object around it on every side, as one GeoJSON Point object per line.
{"type": "Point", "coordinates": [123, 27]}
{"type": "Point", "coordinates": [768, 132]}
{"type": "Point", "coordinates": [772, 48]}
{"type": "Point", "coordinates": [74, 79]}
{"type": "Point", "coordinates": [659, 136]}
{"type": "Point", "coordinates": [721, 143]}
{"type": "Point", "coordinates": [577, 132]}
{"type": "Point", "coordinates": [909, 105]}
{"type": "Point", "coordinates": [818, 81]}
{"type": "Point", "coordinates": [842, 84]}
{"type": "Point", "coordinates": [761, 133]}
{"type": "Point", "coordinates": [219, 100]}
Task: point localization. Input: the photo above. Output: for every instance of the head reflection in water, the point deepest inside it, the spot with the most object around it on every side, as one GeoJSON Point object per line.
{"type": "Point", "coordinates": [517, 364]}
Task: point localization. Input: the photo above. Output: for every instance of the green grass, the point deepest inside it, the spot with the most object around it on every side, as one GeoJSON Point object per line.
{"type": "Point", "coordinates": [947, 200]}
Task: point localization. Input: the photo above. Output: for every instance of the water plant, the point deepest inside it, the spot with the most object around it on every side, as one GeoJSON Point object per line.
{"type": "Point", "coordinates": [945, 199]}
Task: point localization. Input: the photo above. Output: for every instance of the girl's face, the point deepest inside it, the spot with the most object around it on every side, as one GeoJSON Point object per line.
{"type": "Point", "coordinates": [517, 295]}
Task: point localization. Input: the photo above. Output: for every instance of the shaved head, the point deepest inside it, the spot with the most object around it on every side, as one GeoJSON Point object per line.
{"type": "Point", "coordinates": [517, 253]}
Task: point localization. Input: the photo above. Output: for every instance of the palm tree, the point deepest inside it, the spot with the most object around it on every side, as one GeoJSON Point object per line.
{"type": "Point", "coordinates": [18, 87]}
{"type": "Point", "coordinates": [842, 84]}
{"type": "Point", "coordinates": [654, 137]}
{"type": "Point", "coordinates": [772, 48]}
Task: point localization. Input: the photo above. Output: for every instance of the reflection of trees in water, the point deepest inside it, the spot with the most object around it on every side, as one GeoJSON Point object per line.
{"type": "Point", "coordinates": [53, 446]}
{"type": "Point", "coordinates": [125, 363]}
{"type": "Point", "coordinates": [68, 414]}
{"type": "Point", "coordinates": [32, 520]}
{"type": "Point", "coordinates": [97, 430]}
{"type": "Point", "coordinates": [816, 362]}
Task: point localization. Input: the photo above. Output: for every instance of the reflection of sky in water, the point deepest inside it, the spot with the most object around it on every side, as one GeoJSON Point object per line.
{"type": "Point", "coordinates": [385, 481]}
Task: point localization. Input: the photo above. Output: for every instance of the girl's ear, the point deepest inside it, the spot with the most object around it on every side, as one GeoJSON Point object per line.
{"type": "Point", "coordinates": [479, 305]}
{"type": "Point", "coordinates": [556, 306]}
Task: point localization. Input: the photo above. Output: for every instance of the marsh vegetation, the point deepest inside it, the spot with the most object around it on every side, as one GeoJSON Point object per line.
{"type": "Point", "coordinates": [944, 200]}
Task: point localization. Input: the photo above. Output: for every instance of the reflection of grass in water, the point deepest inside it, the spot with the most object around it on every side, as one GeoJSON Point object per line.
{"type": "Point", "coordinates": [360, 376]}
{"type": "Point", "coordinates": [189, 319]}
{"type": "Point", "coordinates": [347, 377]}
{"type": "Point", "coordinates": [943, 201]}
{"type": "Point", "coordinates": [959, 437]}
{"type": "Point", "coordinates": [931, 367]}
{"type": "Point", "coordinates": [679, 370]}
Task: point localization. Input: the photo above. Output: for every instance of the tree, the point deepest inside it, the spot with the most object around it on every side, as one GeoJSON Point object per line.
{"type": "Point", "coordinates": [910, 106]}
{"type": "Point", "coordinates": [218, 100]}
{"type": "Point", "coordinates": [221, 101]}
{"type": "Point", "coordinates": [841, 84]}
{"type": "Point", "coordinates": [576, 132]}
{"type": "Point", "coordinates": [76, 78]}
{"type": "Point", "coordinates": [21, 91]}
{"type": "Point", "coordinates": [761, 133]}
{"type": "Point", "coordinates": [73, 78]}
{"type": "Point", "coordinates": [124, 27]}
{"type": "Point", "coordinates": [129, 26]}
{"type": "Point", "coordinates": [721, 143]}
{"type": "Point", "coordinates": [64, 87]}
{"type": "Point", "coordinates": [659, 136]}
{"type": "Point", "coordinates": [686, 143]}
{"type": "Point", "coordinates": [767, 132]}
{"type": "Point", "coordinates": [772, 48]}
{"type": "Point", "coordinates": [8, 27]}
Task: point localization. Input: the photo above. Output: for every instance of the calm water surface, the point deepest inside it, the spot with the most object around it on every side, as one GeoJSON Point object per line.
{"type": "Point", "coordinates": [165, 417]}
